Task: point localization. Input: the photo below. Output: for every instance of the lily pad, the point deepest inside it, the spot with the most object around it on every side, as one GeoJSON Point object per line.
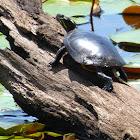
{"type": "Point", "coordinates": [135, 83]}
{"type": "Point", "coordinates": [80, 20]}
{"type": "Point", "coordinates": [136, 2]}
{"type": "Point", "coordinates": [70, 136]}
{"type": "Point", "coordinates": [132, 68]}
{"type": "Point", "coordinates": [22, 138]}
{"type": "Point", "coordinates": [39, 135]}
{"type": "Point", "coordinates": [134, 9]}
{"type": "Point", "coordinates": [53, 7]}
{"type": "Point", "coordinates": [129, 37]}
{"type": "Point", "coordinates": [3, 42]}
{"type": "Point", "coordinates": [6, 137]}
{"type": "Point", "coordinates": [52, 134]}
{"type": "Point", "coordinates": [133, 59]}
{"type": "Point", "coordinates": [7, 102]}
{"type": "Point", "coordinates": [22, 128]}
{"type": "Point", "coordinates": [115, 6]}
{"type": "Point", "coordinates": [132, 64]}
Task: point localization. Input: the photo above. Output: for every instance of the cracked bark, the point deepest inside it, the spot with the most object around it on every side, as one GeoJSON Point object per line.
{"type": "Point", "coordinates": [65, 99]}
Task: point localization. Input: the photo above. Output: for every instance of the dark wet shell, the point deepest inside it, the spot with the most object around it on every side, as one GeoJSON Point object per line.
{"type": "Point", "coordinates": [87, 48]}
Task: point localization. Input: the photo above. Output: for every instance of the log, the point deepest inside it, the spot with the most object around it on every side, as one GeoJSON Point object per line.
{"type": "Point", "coordinates": [63, 97]}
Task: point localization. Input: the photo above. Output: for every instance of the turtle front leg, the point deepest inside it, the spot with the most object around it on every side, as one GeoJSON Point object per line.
{"type": "Point", "coordinates": [108, 80]}
{"type": "Point", "coordinates": [59, 55]}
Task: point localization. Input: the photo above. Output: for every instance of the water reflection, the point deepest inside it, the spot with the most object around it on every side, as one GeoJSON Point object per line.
{"type": "Point", "coordinates": [132, 20]}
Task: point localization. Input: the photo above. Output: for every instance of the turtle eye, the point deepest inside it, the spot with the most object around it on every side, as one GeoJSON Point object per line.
{"type": "Point", "coordinates": [59, 16]}
{"type": "Point", "coordinates": [62, 16]}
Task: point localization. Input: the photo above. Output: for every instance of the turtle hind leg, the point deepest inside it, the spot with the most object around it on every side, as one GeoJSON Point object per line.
{"type": "Point", "coordinates": [59, 55]}
{"type": "Point", "coordinates": [108, 80]}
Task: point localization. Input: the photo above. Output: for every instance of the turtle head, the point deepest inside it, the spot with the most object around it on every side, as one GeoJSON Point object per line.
{"type": "Point", "coordinates": [66, 22]}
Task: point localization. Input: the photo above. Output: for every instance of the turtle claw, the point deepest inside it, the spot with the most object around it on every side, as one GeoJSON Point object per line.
{"type": "Point", "coordinates": [108, 87]}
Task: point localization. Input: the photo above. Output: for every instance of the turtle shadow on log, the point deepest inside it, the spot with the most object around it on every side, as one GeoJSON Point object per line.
{"type": "Point", "coordinates": [78, 69]}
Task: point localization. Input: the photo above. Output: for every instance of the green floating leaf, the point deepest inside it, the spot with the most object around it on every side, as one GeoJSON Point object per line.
{"type": "Point", "coordinates": [22, 139]}
{"type": "Point", "coordinates": [70, 136]}
{"type": "Point", "coordinates": [52, 134]}
{"type": "Point", "coordinates": [7, 102]}
{"type": "Point", "coordinates": [129, 37]}
{"type": "Point", "coordinates": [22, 128]}
{"type": "Point", "coordinates": [133, 64]}
{"type": "Point", "coordinates": [136, 1]}
{"type": "Point", "coordinates": [115, 6]}
{"type": "Point", "coordinates": [6, 137]}
{"type": "Point", "coordinates": [133, 69]}
{"type": "Point", "coordinates": [3, 42]}
{"type": "Point", "coordinates": [80, 20]}
{"type": "Point", "coordinates": [133, 60]}
{"type": "Point", "coordinates": [135, 83]}
{"type": "Point", "coordinates": [1, 34]}
{"type": "Point", "coordinates": [3, 89]}
{"type": "Point", "coordinates": [53, 7]}
{"type": "Point", "coordinates": [39, 135]}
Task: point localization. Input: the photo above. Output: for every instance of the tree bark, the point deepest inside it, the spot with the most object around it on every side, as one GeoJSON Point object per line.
{"type": "Point", "coordinates": [64, 97]}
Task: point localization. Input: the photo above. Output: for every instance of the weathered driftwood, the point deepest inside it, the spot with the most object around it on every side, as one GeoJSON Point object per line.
{"type": "Point", "coordinates": [60, 97]}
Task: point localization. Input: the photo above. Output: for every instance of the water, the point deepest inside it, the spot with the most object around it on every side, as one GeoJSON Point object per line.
{"type": "Point", "coordinates": [10, 113]}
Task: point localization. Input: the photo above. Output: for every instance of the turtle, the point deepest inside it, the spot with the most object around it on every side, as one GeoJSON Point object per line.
{"type": "Point", "coordinates": [92, 51]}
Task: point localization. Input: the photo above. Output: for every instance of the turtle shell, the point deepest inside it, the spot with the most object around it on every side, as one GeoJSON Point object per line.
{"type": "Point", "coordinates": [87, 48]}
